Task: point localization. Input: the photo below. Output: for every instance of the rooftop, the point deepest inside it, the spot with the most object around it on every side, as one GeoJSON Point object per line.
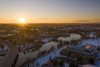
{"type": "Point", "coordinates": [87, 49]}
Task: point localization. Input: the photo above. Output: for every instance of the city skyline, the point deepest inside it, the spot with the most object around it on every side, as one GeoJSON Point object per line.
{"type": "Point", "coordinates": [50, 11]}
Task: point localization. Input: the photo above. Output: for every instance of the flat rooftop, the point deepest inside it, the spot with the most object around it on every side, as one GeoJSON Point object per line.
{"type": "Point", "coordinates": [86, 49]}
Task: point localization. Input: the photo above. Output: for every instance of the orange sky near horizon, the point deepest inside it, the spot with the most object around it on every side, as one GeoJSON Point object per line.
{"type": "Point", "coordinates": [50, 11]}
{"type": "Point", "coordinates": [49, 20]}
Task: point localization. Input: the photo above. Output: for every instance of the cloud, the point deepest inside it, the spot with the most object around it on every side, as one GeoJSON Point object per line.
{"type": "Point", "coordinates": [88, 21]}
{"type": "Point", "coordinates": [82, 21]}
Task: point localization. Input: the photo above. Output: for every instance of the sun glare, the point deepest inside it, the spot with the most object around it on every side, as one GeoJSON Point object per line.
{"type": "Point", "coordinates": [22, 20]}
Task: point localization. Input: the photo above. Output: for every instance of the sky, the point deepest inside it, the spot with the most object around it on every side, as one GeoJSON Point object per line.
{"type": "Point", "coordinates": [50, 11]}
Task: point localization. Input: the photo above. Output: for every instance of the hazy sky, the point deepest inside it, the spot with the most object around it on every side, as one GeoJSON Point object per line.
{"type": "Point", "coordinates": [50, 10]}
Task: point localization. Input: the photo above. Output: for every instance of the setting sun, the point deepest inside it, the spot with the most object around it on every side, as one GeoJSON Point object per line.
{"type": "Point", "coordinates": [22, 20]}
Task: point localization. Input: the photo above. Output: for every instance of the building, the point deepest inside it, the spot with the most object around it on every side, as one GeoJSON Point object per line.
{"type": "Point", "coordinates": [79, 55]}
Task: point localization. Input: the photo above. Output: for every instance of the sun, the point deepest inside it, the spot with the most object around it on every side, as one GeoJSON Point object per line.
{"type": "Point", "coordinates": [22, 20]}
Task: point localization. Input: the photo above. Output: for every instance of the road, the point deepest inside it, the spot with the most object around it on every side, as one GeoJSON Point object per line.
{"type": "Point", "coordinates": [9, 58]}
